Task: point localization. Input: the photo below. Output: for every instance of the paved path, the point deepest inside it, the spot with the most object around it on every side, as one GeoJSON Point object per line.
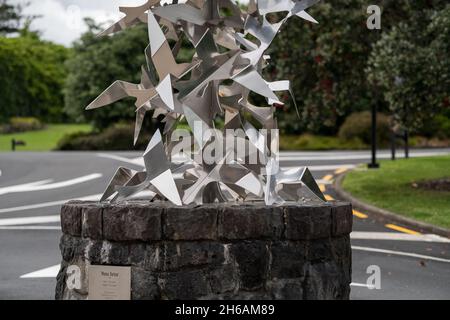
{"type": "Point", "coordinates": [34, 185]}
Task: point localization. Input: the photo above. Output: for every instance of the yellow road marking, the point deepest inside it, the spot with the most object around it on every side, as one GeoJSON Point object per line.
{"type": "Point", "coordinates": [401, 229]}
{"type": "Point", "coordinates": [328, 197]}
{"type": "Point", "coordinates": [322, 187]}
{"type": "Point", "coordinates": [361, 215]}
{"type": "Point", "coordinates": [341, 170]}
{"type": "Point", "coordinates": [328, 177]}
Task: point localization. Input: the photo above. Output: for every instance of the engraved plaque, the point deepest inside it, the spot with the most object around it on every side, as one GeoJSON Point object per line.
{"type": "Point", "coordinates": [109, 283]}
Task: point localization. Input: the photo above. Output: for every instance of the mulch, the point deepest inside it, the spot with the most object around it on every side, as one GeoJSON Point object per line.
{"type": "Point", "coordinates": [442, 184]}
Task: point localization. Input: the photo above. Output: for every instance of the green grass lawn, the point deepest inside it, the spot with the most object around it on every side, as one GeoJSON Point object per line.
{"type": "Point", "coordinates": [42, 140]}
{"type": "Point", "coordinates": [391, 188]}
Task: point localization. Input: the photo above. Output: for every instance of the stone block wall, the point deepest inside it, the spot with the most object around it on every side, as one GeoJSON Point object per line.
{"type": "Point", "coordinates": [220, 251]}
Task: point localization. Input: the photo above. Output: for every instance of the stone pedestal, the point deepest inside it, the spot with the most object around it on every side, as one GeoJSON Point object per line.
{"type": "Point", "coordinates": [219, 251]}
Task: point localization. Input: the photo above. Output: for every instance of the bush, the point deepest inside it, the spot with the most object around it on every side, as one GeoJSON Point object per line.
{"type": "Point", "coordinates": [313, 142]}
{"type": "Point", "coordinates": [437, 126]}
{"type": "Point", "coordinates": [32, 76]}
{"type": "Point", "coordinates": [359, 125]}
{"type": "Point", "coordinates": [96, 63]}
{"type": "Point", "coordinates": [444, 126]}
{"type": "Point", "coordinates": [19, 124]}
{"type": "Point", "coordinates": [116, 137]}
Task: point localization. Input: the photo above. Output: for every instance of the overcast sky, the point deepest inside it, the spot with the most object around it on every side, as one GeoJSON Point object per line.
{"type": "Point", "coordinates": [62, 20]}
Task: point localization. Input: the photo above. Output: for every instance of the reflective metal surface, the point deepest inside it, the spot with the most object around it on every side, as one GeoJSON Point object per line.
{"type": "Point", "coordinates": [230, 45]}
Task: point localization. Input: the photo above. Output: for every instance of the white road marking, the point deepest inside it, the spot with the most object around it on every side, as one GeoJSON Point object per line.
{"type": "Point", "coordinates": [18, 228]}
{"type": "Point", "coordinates": [29, 220]}
{"type": "Point", "coordinates": [50, 272]}
{"type": "Point", "coordinates": [31, 184]}
{"type": "Point", "coordinates": [398, 237]}
{"type": "Point", "coordinates": [94, 197]}
{"type": "Point", "coordinates": [355, 284]}
{"type": "Point", "coordinates": [42, 185]}
{"type": "Point", "coordinates": [401, 253]}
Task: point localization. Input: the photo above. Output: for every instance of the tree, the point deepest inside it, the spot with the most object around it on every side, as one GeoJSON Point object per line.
{"type": "Point", "coordinates": [412, 66]}
{"type": "Point", "coordinates": [10, 17]}
{"type": "Point", "coordinates": [32, 74]}
{"type": "Point", "coordinates": [326, 62]}
{"type": "Point", "coordinates": [96, 62]}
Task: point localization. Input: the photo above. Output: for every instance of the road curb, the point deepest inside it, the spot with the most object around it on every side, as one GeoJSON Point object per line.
{"type": "Point", "coordinates": [385, 214]}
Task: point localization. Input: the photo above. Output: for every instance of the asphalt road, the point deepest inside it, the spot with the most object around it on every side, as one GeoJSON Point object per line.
{"type": "Point", "coordinates": [34, 185]}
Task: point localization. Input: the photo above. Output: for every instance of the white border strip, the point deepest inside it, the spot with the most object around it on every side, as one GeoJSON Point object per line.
{"type": "Point", "coordinates": [401, 253]}
{"type": "Point", "coordinates": [396, 236]}
{"type": "Point", "coordinates": [94, 197]}
{"type": "Point", "coordinates": [46, 228]}
{"type": "Point", "coordinates": [50, 272]}
{"type": "Point", "coordinates": [29, 220]}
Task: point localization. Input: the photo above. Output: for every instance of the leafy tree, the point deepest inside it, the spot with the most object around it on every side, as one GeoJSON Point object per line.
{"type": "Point", "coordinates": [12, 20]}
{"type": "Point", "coordinates": [97, 62]}
{"type": "Point", "coordinates": [326, 62]}
{"type": "Point", "coordinates": [32, 74]}
{"type": "Point", "coordinates": [411, 65]}
{"type": "Point", "coordinates": [10, 17]}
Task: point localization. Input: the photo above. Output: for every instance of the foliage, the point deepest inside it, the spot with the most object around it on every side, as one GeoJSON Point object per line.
{"type": "Point", "coordinates": [412, 67]}
{"type": "Point", "coordinates": [312, 142]}
{"type": "Point", "coordinates": [325, 62]}
{"type": "Point", "coordinates": [13, 21]}
{"type": "Point", "coordinates": [437, 126]}
{"type": "Point", "coordinates": [42, 140]}
{"type": "Point", "coordinates": [392, 188]}
{"type": "Point", "coordinates": [32, 75]}
{"type": "Point", "coordinates": [359, 125]}
{"type": "Point", "coordinates": [95, 64]}
{"type": "Point", "coordinates": [10, 18]}
{"type": "Point", "coordinates": [18, 124]}
{"type": "Point", "coordinates": [116, 137]}
{"type": "Point", "coordinates": [99, 61]}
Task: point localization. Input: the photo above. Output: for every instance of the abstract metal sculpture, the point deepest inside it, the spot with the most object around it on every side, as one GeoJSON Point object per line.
{"type": "Point", "coordinates": [229, 57]}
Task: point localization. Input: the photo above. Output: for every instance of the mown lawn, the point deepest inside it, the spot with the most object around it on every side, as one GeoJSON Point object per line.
{"type": "Point", "coordinates": [391, 188]}
{"type": "Point", "coordinates": [42, 140]}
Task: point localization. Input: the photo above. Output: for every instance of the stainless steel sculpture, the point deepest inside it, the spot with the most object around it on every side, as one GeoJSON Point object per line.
{"type": "Point", "coordinates": [229, 57]}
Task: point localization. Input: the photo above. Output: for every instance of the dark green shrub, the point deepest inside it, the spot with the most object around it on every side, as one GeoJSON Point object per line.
{"type": "Point", "coordinates": [116, 137]}
{"type": "Point", "coordinates": [359, 125]}
{"type": "Point", "coordinates": [32, 75]}
{"type": "Point", "coordinates": [312, 142]}
{"type": "Point", "coordinates": [437, 126]}
{"type": "Point", "coordinates": [444, 126]}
